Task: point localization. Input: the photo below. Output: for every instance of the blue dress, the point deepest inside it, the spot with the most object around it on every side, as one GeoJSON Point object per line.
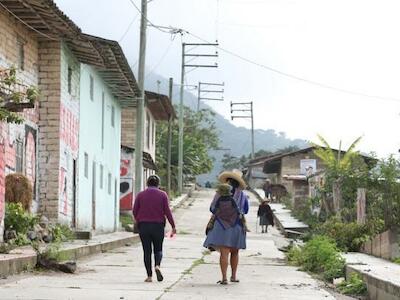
{"type": "Point", "coordinates": [233, 237]}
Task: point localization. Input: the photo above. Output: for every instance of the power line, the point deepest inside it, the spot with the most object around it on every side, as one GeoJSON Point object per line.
{"type": "Point", "coordinates": [26, 24]}
{"type": "Point", "coordinates": [295, 77]}
{"type": "Point", "coordinates": [145, 17]}
{"type": "Point", "coordinates": [172, 30]}
{"type": "Point", "coordinates": [128, 28]}
{"type": "Point", "coordinates": [161, 59]}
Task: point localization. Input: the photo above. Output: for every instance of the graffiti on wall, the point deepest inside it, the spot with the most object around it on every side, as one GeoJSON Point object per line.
{"type": "Point", "coordinates": [2, 177]}
{"type": "Point", "coordinates": [69, 126]}
{"type": "Point", "coordinates": [126, 180]}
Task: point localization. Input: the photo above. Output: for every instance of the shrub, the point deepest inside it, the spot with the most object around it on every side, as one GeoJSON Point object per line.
{"type": "Point", "coordinates": [19, 190]}
{"type": "Point", "coordinates": [355, 285]}
{"type": "Point", "coordinates": [62, 233]}
{"type": "Point", "coordinates": [319, 255]}
{"type": "Point", "coordinates": [17, 219]}
{"type": "Point", "coordinates": [348, 236]}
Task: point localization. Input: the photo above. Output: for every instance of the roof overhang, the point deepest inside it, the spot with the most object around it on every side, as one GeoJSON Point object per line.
{"type": "Point", "coordinates": [160, 106]}
{"type": "Point", "coordinates": [116, 71]}
{"type": "Point", "coordinates": [50, 23]}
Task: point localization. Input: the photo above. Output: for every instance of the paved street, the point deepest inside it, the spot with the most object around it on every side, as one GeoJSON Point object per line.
{"type": "Point", "coordinates": [190, 272]}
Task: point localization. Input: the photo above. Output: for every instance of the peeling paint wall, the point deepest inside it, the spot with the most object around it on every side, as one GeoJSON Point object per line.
{"type": "Point", "coordinates": [18, 139]}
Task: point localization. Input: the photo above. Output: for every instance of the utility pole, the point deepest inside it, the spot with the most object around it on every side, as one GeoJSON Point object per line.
{"type": "Point", "coordinates": [187, 53]}
{"type": "Point", "coordinates": [246, 110]}
{"type": "Point", "coordinates": [169, 144]}
{"type": "Point", "coordinates": [140, 102]}
{"type": "Point", "coordinates": [207, 90]}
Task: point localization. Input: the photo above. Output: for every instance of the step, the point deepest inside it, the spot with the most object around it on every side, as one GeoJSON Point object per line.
{"type": "Point", "coordinates": [382, 276]}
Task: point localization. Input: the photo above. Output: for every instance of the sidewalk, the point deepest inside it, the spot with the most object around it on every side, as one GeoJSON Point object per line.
{"type": "Point", "coordinates": [190, 272]}
{"type": "Point", "coordinates": [25, 258]}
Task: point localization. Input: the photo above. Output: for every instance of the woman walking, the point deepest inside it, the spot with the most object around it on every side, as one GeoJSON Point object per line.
{"type": "Point", "coordinates": [150, 209]}
{"type": "Point", "coordinates": [266, 216]}
{"type": "Point", "coordinates": [228, 233]}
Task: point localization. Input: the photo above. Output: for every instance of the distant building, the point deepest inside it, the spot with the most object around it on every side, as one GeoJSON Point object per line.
{"type": "Point", "coordinates": [290, 171]}
{"type": "Point", "coordinates": [158, 108]}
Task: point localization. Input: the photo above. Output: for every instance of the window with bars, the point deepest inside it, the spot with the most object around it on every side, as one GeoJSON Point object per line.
{"type": "Point", "coordinates": [21, 53]}
{"type": "Point", "coordinates": [101, 176]}
{"type": "Point", "coordinates": [86, 170]}
{"type": "Point", "coordinates": [69, 80]}
{"type": "Point", "coordinates": [109, 183]}
{"type": "Point", "coordinates": [112, 116]}
{"type": "Point", "coordinates": [91, 88]}
{"type": "Point", "coordinates": [19, 156]}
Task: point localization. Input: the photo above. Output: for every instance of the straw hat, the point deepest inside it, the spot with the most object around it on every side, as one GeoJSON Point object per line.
{"type": "Point", "coordinates": [234, 174]}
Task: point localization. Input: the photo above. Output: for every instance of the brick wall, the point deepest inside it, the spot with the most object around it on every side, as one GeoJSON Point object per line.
{"type": "Point", "coordinates": [69, 132]}
{"type": "Point", "coordinates": [128, 127]}
{"type": "Point", "coordinates": [11, 31]}
{"type": "Point", "coordinates": [49, 125]}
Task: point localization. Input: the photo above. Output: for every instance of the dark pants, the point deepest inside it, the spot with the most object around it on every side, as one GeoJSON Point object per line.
{"type": "Point", "coordinates": [152, 236]}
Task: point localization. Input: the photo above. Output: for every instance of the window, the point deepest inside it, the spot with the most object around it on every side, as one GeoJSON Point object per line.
{"type": "Point", "coordinates": [91, 88]}
{"type": "Point", "coordinates": [19, 156]}
{"type": "Point", "coordinates": [69, 80]}
{"type": "Point", "coordinates": [153, 133]}
{"type": "Point", "coordinates": [109, 183]}
{"type": "Point", "coordinates": [86, 170]}
{"type": "Point", "coordinates": [21, 53]}
{"type": "Point", "coordinates": [102, 119]}
{"type": "Point", "coordinates": [112, 116]}
{"type": "Point", "coordinates": [101, 176]}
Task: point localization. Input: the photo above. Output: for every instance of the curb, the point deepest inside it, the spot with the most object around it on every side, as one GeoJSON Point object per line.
{"type": "Point", "coordinates": [377, 287]}
{"type": "Point", "coordinates": [25, 259]}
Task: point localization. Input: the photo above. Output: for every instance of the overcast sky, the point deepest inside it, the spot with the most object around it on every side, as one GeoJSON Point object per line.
{"type": "Point", "coordinates": [349, 44]}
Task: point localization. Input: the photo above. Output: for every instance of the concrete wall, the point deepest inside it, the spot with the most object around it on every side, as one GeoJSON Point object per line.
{"type": "Point", "coordinates": [98, 205]}
{"type": "Point", "coordinates": [25, 134]}
{"type": "Point", "coordinates": [69, 132]}
{"type": "Point", "coordinates": [128, 135]}
{"type": "Point", "coordinates": [384, 245]}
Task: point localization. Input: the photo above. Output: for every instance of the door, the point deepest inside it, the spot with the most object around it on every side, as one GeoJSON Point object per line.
{"type": "Point", "coordinates": [94, 196]}
{"type": "Point", "coordinates": [74, 225]}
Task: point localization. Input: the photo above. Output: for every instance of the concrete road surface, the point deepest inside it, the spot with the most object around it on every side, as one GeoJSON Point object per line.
{"type": "Point", "coordinates": [190, 272]}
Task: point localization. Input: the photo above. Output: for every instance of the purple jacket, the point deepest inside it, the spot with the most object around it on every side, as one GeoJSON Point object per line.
{"type": "Point", "coordinates": [152, 205]}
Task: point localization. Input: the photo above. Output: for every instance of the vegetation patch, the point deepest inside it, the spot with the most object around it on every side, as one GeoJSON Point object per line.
{"type": "Point", "coordinates": [319, 255]}
{"type": "Point", "coordinates": [354, 286]}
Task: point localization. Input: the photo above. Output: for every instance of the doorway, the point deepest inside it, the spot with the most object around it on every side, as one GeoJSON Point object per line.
{"type": "Point", "coordinates": [94, 196]}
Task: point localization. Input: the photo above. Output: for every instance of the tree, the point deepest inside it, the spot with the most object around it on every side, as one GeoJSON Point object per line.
{"type": "Point", "coordinates": [14, 96]}
{"type": "Point", "coordinates": [199, 136]}
{"type": "Point", "coordinates": [345, 172]}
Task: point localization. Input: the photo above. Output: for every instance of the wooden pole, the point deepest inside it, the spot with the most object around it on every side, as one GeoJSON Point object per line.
{"type": "Point", "coordinates": [169, 143]}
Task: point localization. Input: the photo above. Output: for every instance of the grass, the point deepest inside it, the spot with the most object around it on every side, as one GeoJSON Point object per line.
{"type": "Point", "coordinates": [125, 220]}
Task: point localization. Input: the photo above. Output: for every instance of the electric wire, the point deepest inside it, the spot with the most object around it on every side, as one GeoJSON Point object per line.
{"type": "Point", "coordinates": [295, 77]}
{"type": "Point", "coordinates": [172, 30]}
{"type": "Point", "coordinates": [128, 28]}
{"type": "Point", "coordinates": [161, 59]}
{"type": "Point", "coordinates": [29, 26]}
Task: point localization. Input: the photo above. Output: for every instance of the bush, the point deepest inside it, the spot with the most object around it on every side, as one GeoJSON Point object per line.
{"type": "Point", "coordinates": [319, 255]}
{"type": "Point", "coordinates": [348, 236]}
{"type": "Point", "coordinates": [62, 233]}
{"type": "Point", "coordinates": [17, 219]}
{"type": "Point", "coordinates": [355, 285]}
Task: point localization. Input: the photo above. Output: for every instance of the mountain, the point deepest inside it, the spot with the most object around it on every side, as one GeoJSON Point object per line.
{"type": "Point", "coordinates": [236, 139]}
